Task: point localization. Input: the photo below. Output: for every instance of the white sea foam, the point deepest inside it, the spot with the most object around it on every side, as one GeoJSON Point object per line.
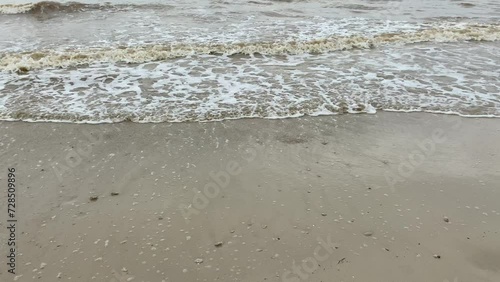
{"type": "Point", "coordinates": [15, 9]}
{"type": "Point", "coordinates": [206, 60]}
{"type": "Point", "coordinates": [141, 54]}
{"type": "Point", "coordinates": [432, 78]}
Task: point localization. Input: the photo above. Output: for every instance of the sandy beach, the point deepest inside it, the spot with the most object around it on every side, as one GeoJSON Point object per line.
{"type": "Point", "coordinates": [385, 197]}
{"type": "Point", "coordinates": [247, 141]}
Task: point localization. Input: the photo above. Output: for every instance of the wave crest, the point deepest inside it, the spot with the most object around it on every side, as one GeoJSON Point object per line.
{"type": "Point", "coordinates": [44, 7]}
{"type": "Point", "coordinates": [50, 7]}
{"type": "Point", "coordinates": [148, 53]}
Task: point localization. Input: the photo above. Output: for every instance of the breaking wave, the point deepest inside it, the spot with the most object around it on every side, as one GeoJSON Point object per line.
{"type": "Point", "coordinates": [49, 7]}
{"type": "Point", "coordinates": [148, 53]}
{"type": "Point", "coordinates": [45, 7]}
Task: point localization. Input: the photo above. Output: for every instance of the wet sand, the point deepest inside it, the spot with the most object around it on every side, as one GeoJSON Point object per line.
{"type": "Point", "coordinates": [385, 197]}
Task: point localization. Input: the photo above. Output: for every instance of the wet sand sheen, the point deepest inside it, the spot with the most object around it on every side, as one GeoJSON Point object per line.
{"type": "Point", "coordinates": [359, 194]}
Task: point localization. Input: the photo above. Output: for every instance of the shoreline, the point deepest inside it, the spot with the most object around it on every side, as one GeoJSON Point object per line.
{"type": "Point", "coordinates": [378, 197]}
{"type": "Point", "coordinates": [377, 111]}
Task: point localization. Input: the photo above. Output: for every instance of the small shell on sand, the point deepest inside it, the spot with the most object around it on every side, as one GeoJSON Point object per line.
{"type": "Point", "coordinates": [368, 233]}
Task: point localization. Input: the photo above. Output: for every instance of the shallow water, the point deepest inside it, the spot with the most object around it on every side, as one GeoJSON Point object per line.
{"type": "Point", "coordinates": [208, 60]}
